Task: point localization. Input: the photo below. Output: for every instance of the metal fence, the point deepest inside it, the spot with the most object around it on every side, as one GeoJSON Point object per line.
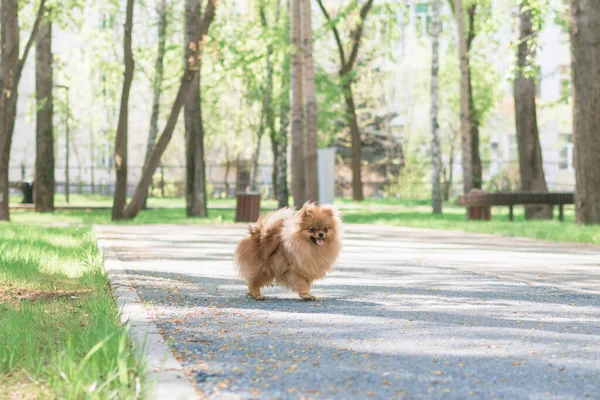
{"type": "Point", "coordinates": [224, 180]}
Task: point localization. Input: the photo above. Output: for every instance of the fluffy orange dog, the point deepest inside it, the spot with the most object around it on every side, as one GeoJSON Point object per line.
{"type": "Point", "coordinates": [292, 248]}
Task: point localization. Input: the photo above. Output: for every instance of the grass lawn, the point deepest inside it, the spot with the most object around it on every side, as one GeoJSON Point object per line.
{"type": "Point", "coordinates": [59, 327]}
{"type": "Point", "coordinates": [409, 213]}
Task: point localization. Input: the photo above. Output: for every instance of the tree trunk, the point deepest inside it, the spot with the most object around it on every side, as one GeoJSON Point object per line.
{"type": "Point", "coordinates": [436, 192]}
{"type": "Point", "coordinates": [474, 128]}
{"type": "Point", "coordinates": [10, 74]}
{"type": "Point", "coordinates": [357, 186]}
{"type": "Point", "coordinates": [528, 137]}
{"type": "Point", "coordinates": [346, 67]}
{"type": "Point", "coordinates": [44, 153]}
{"type": "Point", "coordinates": [310, 107]}
{"type": "Point", "coordinates": [273, 137]}
{"type": "Point", "coordinates": [465, 126]}
{"type": "Point", "coordinates": [266, 117]}
{"type": "Point", "coordinates": [187, 83]}
{"type": "Point", "coordinates": [282, 138]}
{"type": "Point", "coordinates": [195, 187]}
{"type": "Point", "coordinates": [585, 66]}
{"type": "Point", "coordinates": [120, 196]}
{"type": "Point", "coordinates": [157, 84]}
{"type": "Point", "coordinates": [298, 171]}
{"type": "Point", "coordinates": [473, 115]}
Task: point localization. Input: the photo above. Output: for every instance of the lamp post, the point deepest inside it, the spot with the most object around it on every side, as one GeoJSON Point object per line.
{"type": "Point", "coordinates": [66, 144]}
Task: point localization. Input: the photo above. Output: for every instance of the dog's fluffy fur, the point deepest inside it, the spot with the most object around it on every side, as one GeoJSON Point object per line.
{"type": "Point", "coordinates": [292, 248]}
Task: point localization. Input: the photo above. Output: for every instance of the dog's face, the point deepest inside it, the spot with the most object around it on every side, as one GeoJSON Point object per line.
{"type": "Point", "coordinates": [317, 224]}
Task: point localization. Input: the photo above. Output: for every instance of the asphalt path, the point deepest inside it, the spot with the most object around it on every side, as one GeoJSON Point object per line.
{"type": "Point", "coordinates": [407, 314]}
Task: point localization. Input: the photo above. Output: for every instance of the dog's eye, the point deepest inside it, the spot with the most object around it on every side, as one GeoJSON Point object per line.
{"type": "Point", "coordinates": [325, 229]}
{"type": "Point", "coordinates": [312, 230]}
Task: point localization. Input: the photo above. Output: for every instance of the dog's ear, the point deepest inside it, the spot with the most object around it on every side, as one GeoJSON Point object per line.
{"type": "Point", "coordinates": [305, 211]}
{"type": "Point", "coordinates": [332, 212]}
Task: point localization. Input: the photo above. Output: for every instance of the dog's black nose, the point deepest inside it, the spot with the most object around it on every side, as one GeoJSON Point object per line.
{"type": "Point", "coordinates": [320, 234]}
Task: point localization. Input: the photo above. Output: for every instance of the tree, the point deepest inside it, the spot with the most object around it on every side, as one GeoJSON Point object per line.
{"type": "Point", "coordinates": [585, 67]}
{"type": "Point", "coordinates": [310, 107]}
{"type": "Point", "coordinates": [44, 154]}
{"type": "Point", "coordinates": [11, 69]}
{"type": "Point", "coordinates": [530, 152]}
{"type": "Point", "coordinates": [296, 99]}
{"type": "Point", "coordinates": [464, 97]}
{"type": "Point", "coordinates": [281, 166]}
{"type": "Point", "coordinates": [161, 11]}
{"type": "Point", "coordinates": [195, 182]}
{"type": "Point", "coordinates": [436, 192]}
{"type": "Point", "coordinates": [345, 72]}
{"type": "Point", "coordinates": [467, 34]}
{"type": "Point", "coordinates": [187, 83]}
{"type": "Point", "coordinates": [120, 152]}
{"type": "Point", "coordinates": [266, 113]}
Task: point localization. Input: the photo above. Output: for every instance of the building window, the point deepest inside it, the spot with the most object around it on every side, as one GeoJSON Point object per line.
{"type": "Point", "coordinates": [565, 162]}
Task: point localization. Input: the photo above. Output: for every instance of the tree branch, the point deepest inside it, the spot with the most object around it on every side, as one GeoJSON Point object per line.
{"type": "Point", "coordinates": [356, 34]}
{"type": "Point", "coordinates": [471, 30]}
{"type": "Point", "coordinates": [209, 15]}
{"type": "Point", "coordinates": [32, 35]}
{"type": "Point", "coordinates": [336, 34]}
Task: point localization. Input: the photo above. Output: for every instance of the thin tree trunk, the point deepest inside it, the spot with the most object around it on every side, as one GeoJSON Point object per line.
{"type": "Point", "coordinates": [448, 182]}
{"type": "Point", "coordinates": [120, 196]}
{"type": "Point", "coordinates": [310, 107]}
{"type": "Point", "coordinates": [436, 193]}
{"type": "Point", "coordinates": [273, 137]}
{"type": "Point", "coordinates": [585, 67]}
{"type": "Point", "coordinates": [282, 138]}
{"type": "Point", "coordinates": [187, 83]}
{"type": "Point", "coordinates": [473, 115]}
{"type": "Point", "coordinates": [11, 69]}
{"type": "Point", "coordinates": [346, 68]}
{"type": "Point", "coordinates": [465, 126]}
{"type": "Point", "coordinates": [195, 187]}
{"type": "Point", "coordinates": [357, 186]}
{"type": "Point", "coordinates": [157, 84]}
{"type": "Point", "coordinates": [474, 128]}
{"type": "Point", "coordinates": [528, 137]}
{"type": "Point", "coordinates": [298, 171]}
{"type": "Point", "coordinates": [44, 155]}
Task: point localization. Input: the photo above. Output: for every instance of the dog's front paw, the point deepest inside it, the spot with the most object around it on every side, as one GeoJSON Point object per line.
{"type": "Point", "coordinates": [307, 297]}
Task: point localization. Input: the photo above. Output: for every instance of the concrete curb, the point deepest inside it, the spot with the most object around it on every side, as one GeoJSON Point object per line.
{"type": "Point", "coordinates": [164, 374]}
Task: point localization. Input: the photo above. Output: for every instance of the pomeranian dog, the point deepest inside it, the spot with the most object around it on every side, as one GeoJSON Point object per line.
{"type": "Point", "coordinates": [292, 248]}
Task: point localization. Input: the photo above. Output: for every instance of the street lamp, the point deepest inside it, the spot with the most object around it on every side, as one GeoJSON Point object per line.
{"type": "Point", "coordinates": [66, 144]}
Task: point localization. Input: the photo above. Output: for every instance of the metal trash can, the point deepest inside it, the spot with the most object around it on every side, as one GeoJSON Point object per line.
{"type": "Point", "coordinates": [247, 208]}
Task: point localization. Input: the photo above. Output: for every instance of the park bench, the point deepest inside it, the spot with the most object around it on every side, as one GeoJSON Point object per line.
{"type": "Point", "coordinates": [480, 203]}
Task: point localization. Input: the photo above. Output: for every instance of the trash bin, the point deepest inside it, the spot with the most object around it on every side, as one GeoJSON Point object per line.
{"type": "Point", "coordinates": [247, 208]}
{"type": "Point", "coordinates": [27, 190]}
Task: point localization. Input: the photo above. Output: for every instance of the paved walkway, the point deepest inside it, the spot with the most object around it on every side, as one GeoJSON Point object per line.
{"type": "Point", "coordinates": [407, 314]}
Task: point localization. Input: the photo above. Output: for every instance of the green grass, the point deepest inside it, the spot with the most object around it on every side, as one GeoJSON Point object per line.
{"type": "Point", "coordinates": [454, 219]}
{"type": "Point", "coordinates": [409, 213]}
{"type": "Point", "coordinates": [59, 327]}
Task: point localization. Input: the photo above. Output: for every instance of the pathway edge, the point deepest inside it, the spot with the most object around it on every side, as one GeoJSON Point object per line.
{"type": "Point", "coordinates": [164, 374]}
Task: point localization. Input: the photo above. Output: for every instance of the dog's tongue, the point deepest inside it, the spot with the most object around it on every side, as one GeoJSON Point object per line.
{"type": "Point", "coordinates": [320, 242]}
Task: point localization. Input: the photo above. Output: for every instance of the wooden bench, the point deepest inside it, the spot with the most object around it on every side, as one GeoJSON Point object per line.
{"type": "Point", "coordinates": [484, 199]}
